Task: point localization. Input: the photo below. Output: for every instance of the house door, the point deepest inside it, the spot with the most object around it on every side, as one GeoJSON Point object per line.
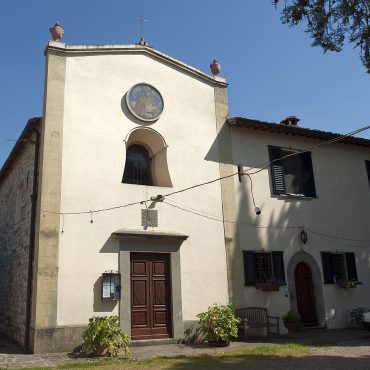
{"type": "Point", "coordinates": [150, 296]}
{"type": "Point", "coordinates": [305, 294]}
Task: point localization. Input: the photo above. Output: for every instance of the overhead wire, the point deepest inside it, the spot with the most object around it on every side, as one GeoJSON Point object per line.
{"type": "Point", "coordinates": [336, 237]}
{"type": "Point", "coordinates": [212, 217]}
{"type": "Point", "coordinates": [20, 140]}
{"type": "Point", "coordinates": [307, 228]}
{"type": "Point", "coordinates": [246, 172]}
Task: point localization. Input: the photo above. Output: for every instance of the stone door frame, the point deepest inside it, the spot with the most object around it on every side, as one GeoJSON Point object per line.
{"type": "Point", "coordinates": [150, 243]}
{"type": "Point", "coordinates": [305, 257]}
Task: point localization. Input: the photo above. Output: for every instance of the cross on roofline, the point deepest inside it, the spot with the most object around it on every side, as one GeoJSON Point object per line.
{"type": "Point", "coordinates": [142, 20]}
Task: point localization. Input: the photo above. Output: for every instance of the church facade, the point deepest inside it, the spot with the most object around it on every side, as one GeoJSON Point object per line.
{"type": "Point", "coordinates": [122, 126]}
{"type": "Point", "coordinates": [101, 212]}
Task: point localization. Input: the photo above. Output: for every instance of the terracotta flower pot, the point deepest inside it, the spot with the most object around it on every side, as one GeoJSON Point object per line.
{"type": "Point", "coordinates": [56, 32]}
{"type": "Point", "coordinates": [215, 67]}
{"type": "Point", "coordinates": [100, 351]}
{"type": "Point", "coordinates": [292, 328]}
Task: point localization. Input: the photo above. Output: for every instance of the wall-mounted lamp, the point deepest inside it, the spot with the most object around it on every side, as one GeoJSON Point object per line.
{"type": "Point", "coordinates": [303, 236]}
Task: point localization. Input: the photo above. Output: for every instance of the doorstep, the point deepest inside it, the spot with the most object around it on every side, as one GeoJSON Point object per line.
{"type": "Point", "coordinates": [153, 342]}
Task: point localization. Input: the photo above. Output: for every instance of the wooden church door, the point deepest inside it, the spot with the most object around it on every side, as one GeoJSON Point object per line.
{"type": "Point", "coordinates": [305, 294]}
{"type": "Point", "coordinates": [150, 296]}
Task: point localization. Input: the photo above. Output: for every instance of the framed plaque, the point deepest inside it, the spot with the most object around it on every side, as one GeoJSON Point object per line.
{"type": "Point", "coordinates": [145, 102]}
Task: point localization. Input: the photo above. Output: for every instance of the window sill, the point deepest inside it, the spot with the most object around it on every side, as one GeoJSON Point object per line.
{"type": "Point", "coordinates": [151, 186]}
{"type": "Point", "coordinates": [294, 196]}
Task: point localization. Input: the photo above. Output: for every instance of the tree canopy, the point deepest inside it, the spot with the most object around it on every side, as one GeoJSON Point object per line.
{"type": "Point", "coordinates": [331, 22]}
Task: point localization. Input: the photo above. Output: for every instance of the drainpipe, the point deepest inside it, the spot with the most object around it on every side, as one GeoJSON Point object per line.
{"type": "Point", "coordinates": [31, 251]}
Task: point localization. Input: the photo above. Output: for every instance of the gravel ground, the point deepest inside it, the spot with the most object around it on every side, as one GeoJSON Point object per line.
{"type": "Point", "coordinates": [347, 349]}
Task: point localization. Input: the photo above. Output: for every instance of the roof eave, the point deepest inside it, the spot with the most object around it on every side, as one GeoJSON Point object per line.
{"type": "Point", "coordinates": [69, 50]}
{"type": "Point", "coordinates": [307, 133]}
{"type": "Point", "coordinates": [19, 145]}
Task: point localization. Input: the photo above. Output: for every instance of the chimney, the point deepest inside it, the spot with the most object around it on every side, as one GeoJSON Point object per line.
{"type": "Point", "coordinates": [290, 121]}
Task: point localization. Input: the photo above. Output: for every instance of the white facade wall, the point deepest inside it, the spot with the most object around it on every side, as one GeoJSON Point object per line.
{"type": "Point", "coordinates": [340, 213]}
{"type": "Point", "coordinates": [94, 130]}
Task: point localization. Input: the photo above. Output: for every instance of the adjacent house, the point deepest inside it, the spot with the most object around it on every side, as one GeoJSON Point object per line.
{"type": "Point", "coordinates": [308, 249]}
{"type": "Point", "coordinates": [135, 195]}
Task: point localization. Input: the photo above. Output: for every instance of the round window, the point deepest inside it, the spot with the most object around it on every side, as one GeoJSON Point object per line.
{"type": "Point", "coordinates": [145, 102]}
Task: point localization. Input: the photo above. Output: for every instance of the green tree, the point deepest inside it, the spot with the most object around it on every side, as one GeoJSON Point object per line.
{"type": "Point", "coordinates": [331, 22]}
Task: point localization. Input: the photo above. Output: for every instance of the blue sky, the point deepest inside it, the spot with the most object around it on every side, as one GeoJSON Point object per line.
{"type": "Point", "coordinates": [271, 69]}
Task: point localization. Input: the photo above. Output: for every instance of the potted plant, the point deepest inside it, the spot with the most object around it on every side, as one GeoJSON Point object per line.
{"type": "Point", "coordinates": [346, 284]}
{"type": "Point", "coordinates": [291, 322]}
{"type": "Point", "coordinates": [104, 336]}
{"type": "Point", "coordinates": [356, 316]}
{"type": "Point", "coordinates": [219, 324]}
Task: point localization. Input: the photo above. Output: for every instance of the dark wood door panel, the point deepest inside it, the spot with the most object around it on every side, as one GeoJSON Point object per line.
{"type": "Point", "coordinates": [139, 293]}
{"type": "Point", "coordinates": [150, 296]}
{"type": "Point", "coordinates": [305, 294]}
{"type": "Point", "coordinates": [140, 319]}
{"type": "Point", "coordinates": [159, 293]}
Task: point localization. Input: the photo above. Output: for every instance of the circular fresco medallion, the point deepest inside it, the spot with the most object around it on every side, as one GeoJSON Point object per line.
{"type": "Point", "coordinates": [144, 102]}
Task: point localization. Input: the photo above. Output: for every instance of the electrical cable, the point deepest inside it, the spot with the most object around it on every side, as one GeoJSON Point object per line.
{"type": "Point", "coordinates": [308, 228]}
{"type": "Point", "coordinates": [215, 218]}
{"type": "Point", "coordinates": [336, 237]}
{"type": "Point", "coordinates": [14, 140]}
{"type": "Point", "coordinates": [345, 243]}
{"type": "Point", "coordinates": [250, 178]}
{"type": "Point", "coordinates": [94, 211]}
{"type": "Point", "coordinates": [264, 166]}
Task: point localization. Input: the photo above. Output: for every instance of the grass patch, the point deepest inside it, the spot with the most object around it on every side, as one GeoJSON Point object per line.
{"type": "Point", "coordinates": [278, 350]}
{"type": "Point", "coordinates": [233, 359]}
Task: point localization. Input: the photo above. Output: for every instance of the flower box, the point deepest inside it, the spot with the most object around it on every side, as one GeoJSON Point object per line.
{"type": "Point", "coordinates": [344, 284]}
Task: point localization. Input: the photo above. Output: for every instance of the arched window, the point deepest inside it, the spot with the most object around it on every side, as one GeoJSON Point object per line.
{"type": "Point", "coordinates": [137, 167]}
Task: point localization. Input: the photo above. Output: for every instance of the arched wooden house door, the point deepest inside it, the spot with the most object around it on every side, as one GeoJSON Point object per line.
{"type": "Point", "coordinates": [305, 294]}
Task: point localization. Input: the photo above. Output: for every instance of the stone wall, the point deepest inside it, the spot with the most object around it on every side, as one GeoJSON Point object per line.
{"type": "Point", "coordinates": [16, 188]}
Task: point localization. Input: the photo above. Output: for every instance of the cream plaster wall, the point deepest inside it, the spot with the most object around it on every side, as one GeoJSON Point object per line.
{"type": "Point", "coordinates": [94, 129]}
{"type": "Point", "coordinates": [341, 211]}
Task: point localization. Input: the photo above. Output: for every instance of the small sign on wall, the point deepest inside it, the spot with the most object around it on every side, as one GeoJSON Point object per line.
{"type": "Point", "coordinates": [111, 286]}
{"type": "Point", "coordinates": [149, 218]}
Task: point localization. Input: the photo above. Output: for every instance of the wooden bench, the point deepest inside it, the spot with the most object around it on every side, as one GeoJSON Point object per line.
{"type": "Point", "coordinates": [256, 317]}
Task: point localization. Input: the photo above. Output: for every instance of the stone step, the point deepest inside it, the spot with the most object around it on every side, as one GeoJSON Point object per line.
{"type": "Point", "coordinates": [153, 342]}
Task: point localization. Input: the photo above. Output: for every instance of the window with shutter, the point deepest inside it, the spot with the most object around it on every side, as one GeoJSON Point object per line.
{"type": "Point", "coordinates": [278, 266]}
{"type": "Point", "coordinates": [327, 267]}
{"type": "Point", "coordinates": [351, 267]}
{"type": "Point", "coordinates": [292, 175]}
{"type": "Point", "coordinates": [263, 267]}
{"type": "Point", "coordinates": [339, 267]}
{"type": "Point", "coordinates": [249, 268]}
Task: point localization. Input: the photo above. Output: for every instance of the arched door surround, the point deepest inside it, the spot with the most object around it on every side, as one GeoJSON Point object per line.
{"type": "Point", "coordinates": [306, 258]}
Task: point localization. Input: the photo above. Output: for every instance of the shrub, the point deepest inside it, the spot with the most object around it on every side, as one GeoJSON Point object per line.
{"type": "Point", "coordinates": [219, 323]}
{"type": "Point", "coordinates": [356, 315]}
{"type": "Point", "coordinates": [105, 332]}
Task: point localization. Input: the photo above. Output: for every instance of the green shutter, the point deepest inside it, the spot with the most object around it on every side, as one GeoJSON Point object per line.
{"type": "Point", "coordinates": [307, 175]}
{"type": "Point", "coordinates": [327, 267]}
{"type": "Point", "coordinates": [277, 170]}
{"type": "Point", "coordinates": [249, 259]}
{"type": "Point", "coordinates": [278, 266]}
{"type": "Point", "coordinates": [351, 266]}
